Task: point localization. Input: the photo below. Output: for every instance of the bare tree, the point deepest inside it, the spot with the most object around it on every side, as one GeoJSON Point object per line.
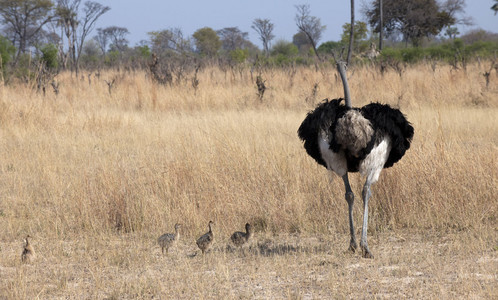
{"type": "Point", "coordinates": [77, 29]}
{"type": "Point", "coordinates": [265, 30]}
{"type": "Point", "coordinates": [102, 39]}
{"type": "Point", "coordinates": [117, 37]}
{"type": "Point", "coordinates": [309, 25]}
{"type": "Point", "coordinates": [170, 39]}
{"type": "Point", "coordinates": [456, 10]}
{"type": "Point", "coordinates": [66, 14]}
{"type": "Point", "coordinates": [232, 38]}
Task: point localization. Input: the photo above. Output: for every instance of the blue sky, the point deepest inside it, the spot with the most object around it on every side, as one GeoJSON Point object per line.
{"type": "Point", "coordinates": [142, 16]}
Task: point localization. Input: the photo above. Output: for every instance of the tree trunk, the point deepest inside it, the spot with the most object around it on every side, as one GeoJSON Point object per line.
{"type": "Point", "coordinates": [351, 34]}
{"type": "Point", "coordinates": [381, 25]}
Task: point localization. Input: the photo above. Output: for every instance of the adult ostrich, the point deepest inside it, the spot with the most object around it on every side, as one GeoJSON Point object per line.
{"type": "Point", "coordinates": [345, 139]}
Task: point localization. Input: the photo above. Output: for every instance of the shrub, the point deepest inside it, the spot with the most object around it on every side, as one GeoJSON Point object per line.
{"type": "Point", "coordinates": [49, 56]}
{"type": "Point", "coordinates": [7, 51]}
{"type": "Point", "coordinates": [238, 55]}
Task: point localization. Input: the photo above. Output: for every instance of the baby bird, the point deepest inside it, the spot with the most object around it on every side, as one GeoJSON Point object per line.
{"type": "Point", "coordinates": [168, 240]}
{"type": "Point", "coordinates": [28, 253]}
{"type": "Point", "coordinates": [240, 238]}
{"type": "Point", "coordinates": [206, 240]}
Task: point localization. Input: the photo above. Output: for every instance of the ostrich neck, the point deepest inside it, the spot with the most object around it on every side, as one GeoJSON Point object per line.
{"type": "Point", "coordinates": [341, 67]}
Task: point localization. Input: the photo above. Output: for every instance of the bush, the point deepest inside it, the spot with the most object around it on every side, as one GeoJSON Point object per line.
{"type": "Point", "coordinates": [238, 55]}
{"type": "Point", "coordinates": [7, 51]}
{"type": "Point", "coordinates": [445, 52]}
{"type": "Point", "coordinates": [49, 56]}
{"type": "Point", "coordinates": [412, 55]}
{"type": "Point", "coordinates": [329, 47]}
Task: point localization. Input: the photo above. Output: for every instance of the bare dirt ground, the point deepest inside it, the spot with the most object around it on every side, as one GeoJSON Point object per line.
{"type": "Point", "coordinates": [406, 265]}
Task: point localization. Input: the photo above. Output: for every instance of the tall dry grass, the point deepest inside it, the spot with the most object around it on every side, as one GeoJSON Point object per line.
{"type": "Point", "coordinates": [90, 164]}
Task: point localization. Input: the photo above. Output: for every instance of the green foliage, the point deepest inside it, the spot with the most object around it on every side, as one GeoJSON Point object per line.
{"type": "Point", "coordinates": [412, 55]}
{"type": "Point", "coordinates": [49, 56]}
{"type": "Point", "coordinates": [360, 33]}
{"type": "Point", "coordinates": [7, 51]}
{"type": "Point", "coordinates": [24, 68]}
{"type": "Point", "coordinates": [415, 19]}
{"type": "Point", "coordinates": [112, 57]}
{"type": "Point", "coordinates": [24, 18]}
{"type": "Point", "coordinates": [284, 48]}
{"type": "Point", "coordinates": [239, 55]}
{"type": "Point", "coordinates": [144, 51]}
{"type": "Point", "coordinates": [330, 46]}
{"type": "Point", "coordinates": [302, 41]}
{"type": "Point", "coordinates": [207, 41]}
{"type": "Point", "coordinates": [391, 53]}
{"type": "Point", "coordinates": [439, 52]}
{"type": "Point", "coordinates": [444, 52]}
{"type": "Point", "coordinates": [283, 53]}
{"type": "Point", "coordinates": [482, 48]}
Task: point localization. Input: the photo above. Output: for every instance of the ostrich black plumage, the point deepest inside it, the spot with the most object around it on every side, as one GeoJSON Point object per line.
{"type": "Point", "coordinates": [364, 140]}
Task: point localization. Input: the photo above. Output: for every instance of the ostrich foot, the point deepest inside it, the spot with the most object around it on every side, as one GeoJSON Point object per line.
{"type": "Point", "coordinates": [353, 246]}
{"type": "Point", "coordinates": [366, 252]}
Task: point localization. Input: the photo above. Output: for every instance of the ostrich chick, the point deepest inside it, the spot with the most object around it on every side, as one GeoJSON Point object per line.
{"type": "Point", "coordinates": [206, 240]}
{"type": "Point", "coordinates": [240, 238]}
{"type": "Point", "coordinates": [168, 240]}
{"type": "Point", "coordinates": [28, 253]}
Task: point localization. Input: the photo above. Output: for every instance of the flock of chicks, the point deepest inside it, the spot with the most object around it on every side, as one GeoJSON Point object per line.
{"type": "Point", "coordinates": [238, 238]}
{"type": "Point", "coordinates": [166, 241]}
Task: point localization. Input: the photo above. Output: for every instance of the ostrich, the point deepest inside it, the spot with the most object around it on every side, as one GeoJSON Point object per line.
{"type": "Point", "coordinates": [206, 240]}
{"type": "Point", "coordinates": [28, 252]}
{"type": "Point", "coordinates": [240, 238]}
{"type": "Point", "coordinates": [366, 140]}
{"type": "Point", "coordinates": [169, 239]}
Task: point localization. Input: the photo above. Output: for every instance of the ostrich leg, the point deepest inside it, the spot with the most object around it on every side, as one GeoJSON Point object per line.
{"type": "Point", "coordinates": [363, 242]}
{"type": "Point", "coordinates": [350, 199]}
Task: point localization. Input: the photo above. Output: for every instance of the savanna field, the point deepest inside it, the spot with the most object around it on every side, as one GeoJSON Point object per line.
{"type": "Point", "coordinates": [95, 176]}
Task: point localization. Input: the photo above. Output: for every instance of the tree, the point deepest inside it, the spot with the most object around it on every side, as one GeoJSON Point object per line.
{"type": "Point", "coordinates": [360, 33]}
{"type": "Point", "coordinates": [351, 34]}
{"type": "Point", "coordinates": [455, 10]}
{"type": "Point", "coordinates": [170, 39]}
{"type": "Point", "coordinates": [91, 53]}
{"type": "Point", "coordinates": [302, 42]}
{"type": "Point", "coordinates": [381, 24]}
{"type": "Point", "coordinates": [207, 41]}
{"type": "Point", "coordinates": [495, 7]}
{"type": "Point", "coordinates": [66, 18]}
{"type": "Point", "coordinates": [309, 25]}
{"type": "Point", "coordinates": [25, 18]}
{"type": "Point", "coordinates": [452, 32]}
{"type": "Point", "coordinates": [232, 38]}
{"type": "Point", "coordinates": [265, 30]}
{"type": "Point", "coordinates": [102, 39]}
{"type": "Point", "coordinates": [415, 19]}
{"type": "Point", "coordinates": [77, 29]}
{"type": "Point", "coordinates": [117, 37]}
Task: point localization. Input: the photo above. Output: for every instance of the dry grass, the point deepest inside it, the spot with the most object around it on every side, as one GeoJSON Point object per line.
{"type": "Point", "coordinates": [95, 178]}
